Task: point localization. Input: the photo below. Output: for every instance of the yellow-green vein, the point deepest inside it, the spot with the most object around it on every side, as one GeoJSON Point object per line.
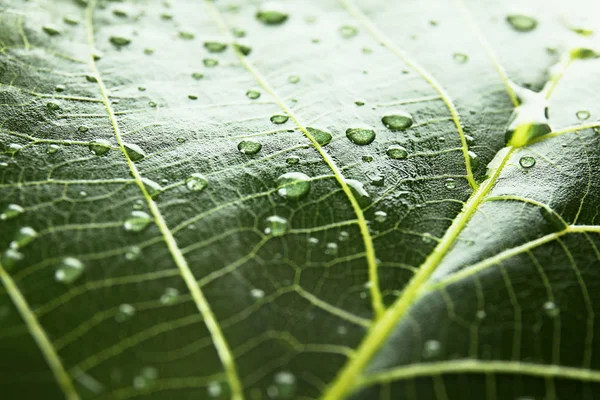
{"type": "Point", "coordinates": [210, 320]}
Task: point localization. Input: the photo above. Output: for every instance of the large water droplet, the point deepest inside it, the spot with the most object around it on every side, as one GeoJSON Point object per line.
{"type": "Point", "coordinates": [399, 121]}
{"type": "Point", "coordinates": [293, 185]}
{"type": "Point", "coordinates": [100, 146]}
{"type": "Point", "coordinates": [11, 211]}
{"type": "Point", "coordinates": [249, 147]}
{"type": "Point", "coordinates": [69, 270]}
{"type": "Point", "coordinates": [279, 119]}
{"type": "Point", "coordinates": [170, 296]}
{"type": "Point", "coordinates": [138, 221]}
{"type": "Point", "coordinates": [196, 182]}
{"type": "Point", "coordinates": [521, 23]}
{"type": "Point", "coordinates": [120, 41]}
{"type": "Point", "coordinates": [322, 137]}
{"type": "Point", "coordinates": [276, 225]}
{"type": "Point", "coordinates": [125, 312]}
{"type": "Point", "coordinates": [24, 236]}
{"type": "Point", "coordinates": [360, 136]}
{"type": "Point", "coordinates": [271, 14]}
{"type": "Point", "coordinates": [135, 152]}
{"type": "Point", "coordinates": [397, 152]}
{"type": "Point", "coordinates": [215, 47]}
{"type": "Point", "coordinates": [527, 161]}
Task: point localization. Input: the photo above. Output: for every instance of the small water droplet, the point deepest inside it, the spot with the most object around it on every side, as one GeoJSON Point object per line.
{"type": "Point", "coordinates": [91, 78]}
{"type": "Point", "coordinates": [400, 121]}
{"type": "Point", "coordinates": [348, 31]}
{"type": "Point", "coordinates": [238, 32]}
{"type": "Point", "coordinates": [253, 94]}
{"type": "Point", "coordinates": [276, 225]}
{"type": "Point", "coordinates": [367, 158]}
{"type": "Point", "coordinates": [134, 151]}
{"type": "Point", "coordinates": [272, 14]}
{"type": "Point", "coordinates": [460, 58]}
{"type": "Point", "coordinates": [293, 79]}
{"type": "Point", "coordinates": [360, 136]}
{"type": "Point", "coordinates": [52, 149]}
{"type": "Point", "coordinates": [82, 128]}
{"type": "Point", "coordinates": [322, 137]}
{"type": "Point", "coordinates": [59, 88]}
{"type": "Point", "coordinates": [24, 236]}
{"type": "Point", "coordinates": [170, 296]}
{"type": "Point", "coordinates": [71, 20]}
{"type": "Point", "coordinates": [242, 48]}
{"type": "Point", "coordinates": [51, 29]}
{"type": "Point", "coordinates": [397, 152]}
{"type": "Point", "coordinates": [69, 270]}
{"type": "Point", "coordinates": [119, 41]}
{"type": "Point", "coordinates": [145, 379]}
{"type": "Point", "coordinates": [138, 221]}
{"type": "Point", "coordinates": [284, 386]}
{"type": "Point", "coordinates": [474, 158]}
{"type": "Point", "coordinates": [210, 62]}
{"type": "Point", "coordinates": [10, 258]}
{"type": "Point", "coordinates": [450, 183]}
{"type": "Point", "coordinates": [197, 75]}
{"type": "Point", "coordinates": [11, 211]}
{"type": "Point", "coordinates": [343, 236]}
{"type": "Point", "coordinates": [550, 309]}
{"type": "Point", "coordinates": [53, 105]}
{"type": "Point", "coordinates": [215, 47]}
{"type": "Point", "coordinates": [377, 178]}
{"type": "Point", "coordinates": [133, 253]}
{"type": "Point", "coordinates": [431, 349]}
{"type": "Point", "coordinates": [219, 390]}
{"type": "Point", "coordinates": [166, 16]}
{"type": "Point", "coordinates": [196, 182]}
{"type": "Point", "coordinates": [249, 147]}
{"type": "Point", "coordinates": [359, 103]}
{"type": "Point", "coordinates": [279, 119]}
{"type": "Point", "coordinates": [380, 216]}
{"type": "Point", "coordinates": [292, 160]}
{"type": "Point", "coordinates": [257, 293]}
{"type": "Point", "coordinates": [521, 23]}
{"type": "Point", "coordinates": [481, 314]}
{"type": "Point", "coordinates": [527, 161]}
{"type": "Point", "coordinates": [13, 148]}
{"type": "Point", "coordinates": [293, 185]}
{"type": "Point", "coordinates": [583, 115]}
{"type": "Point", "coordinates": [125, 312]}
{"type": "Point", "coordinates": [313, 241]}
{"type": "Point", "coordinates": [186, 35]}
{"type": "Point", "coordinates": [100, 146]}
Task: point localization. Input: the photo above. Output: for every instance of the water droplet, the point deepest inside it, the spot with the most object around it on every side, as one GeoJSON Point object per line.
{"type": "Point", "coordinates": [450, 183]}
{"type": "Point", "coordinates": [13, 148]}
{"type": "Point", "coordinates": [215, 47]}
{"type": "Point", "coordinates": [170, 296]}
{"type": "Point", "coordinates": [377, 178]}
{"type": "Point", "coordinates": [470, 140]}
{"type": "Point", "coordinates": [145, 379]}
{"type": "Point", "coordinates": [11, 211]}
{"type": "Point", "coordinates": [359, 192]}
{"type": "Point", "coordinates": [279, 119]}
{"type": "Point", "coordinates": [271, 14]}
{"type": "Point", "coordinates": [293, 185]}
{"type": "Point", "coordinates": [367, 158]}
{"type": "Point", "coordinates": [10, 258]}
{"type": "Point", "coordinates": [400, 121]}
{"type": "Point", "coordinates": [550, 309]}
{"type": "Point", "coordinates": [138, 221]}
{"type": "Point", "coordinates": [257, 293]}
{"type": "Point", "coordinates": [210, 62]}
{"type": "Point", "coordinates": [253, 94]}
{"type": "Point", "coordinates": [59, 88]}
{"type": "Point", "coordinates": [51, 29]}
{"type": "Point", "coordinates": [91, 78]}
{"type": "Point", "coordinates": [474, 158]}
{"type": "Point", "coordinates": [397, 152]}
{"type": "Point", "coordinates": [53, 105]}
{"type": "Point", "coordinates": [134, 151]}
{"type": "Point", "coordinates": [166, 16]}
{"type": "Point", "coordinates": [120, 12]}
{"type": "Point", "coordinates": [284, 386]}
{"type": "Point", "coordinates": [70, 20]}
{"type": "Point", "coordinates": [249, 147]}
{"type": "Point", "coordinates": [293, 79]}
{"type": "Point", "coordinates": [25, 236]}
{"type": "Point", "coordinates": [52, 149]}
{"type": "Point", "coordinates": [527, 161]}
{"type": "Point", "coordinates": [196, 182]}
{"type": "Point", "coordinates": [380, 216]}
{"type": "Point", "coordinates": [242, 48]}
{"type": "Point", "coordinates": [360, 136]}
{"type": "Point", "coordinates": [119, 41]}
{"type": "Point", "coordinates": [97, 54]}
{"type": "Point", "coordinates": [583, 53]}
{"type": "Point", "coordinates": [359, 103]}
{"type": "Point", "coordinates": [343, 236]}
{"type": "Point", "coordinates": [197, 75]}
{"type": "Point", "coordinates": [322, 137]}
{"type": "Point", "coordinates": [83, 129]}
{"type": "Point", "coordinates": [276, 225]}
{"type": "Point", "coordinates": [218, 390]}
{"type": "Point", "coordinates": [313, 241]}
{"type": "Point", "coordinates": [238, 32]}
{"type": "Point", "coordinates": [100, 146]}
{"type": "Point", "coordinates": [481, 314]}
{"type": "Point", "coordinates": [125, 312]}
{"type": "Point", "coordinates": [133, 253]}
{"type": "Point", "coordinates": [69, 270]}
{"type": "Point", "coordinates": [292, 160]}
{"type": "Point", "coordinates": [583, 115]}
{"type": "Point", "coordinates": [460, 58]}
{"type": "Point", "coordinates": [186, 35]}
{"type": "Point", "coordinates": [431, 349]}
{"type": "Point", "coordinates": [152, 187]}
{"type": "Point", "coordinates": [521, 23]}
{"type": "Point", "coordinates": [348, 31]}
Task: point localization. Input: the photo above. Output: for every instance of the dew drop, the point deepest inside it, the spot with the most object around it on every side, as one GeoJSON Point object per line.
{"type": "Point", "coordinates": [218, 390]}
{"type": "Point", "coordinates": [152, 187]}
{"type": "Point", "coordinates": [397, 152]}
{"type": "Point", "coordinates": [25, 236]}
{"type": "Point", "coordinates": [313, 241]}
{"type": "Point", "coordinates": [450, 183]}
{"type": "Point", "coordinates": [197, 75]}
{"type": "Point", "coordinates": [82, 129]}
{"type": "Point", "coordinates": [400, 121]}
{"type": "Point", "coordinates": [293, 79]}
{"type": "Point", "coordinates": [166, 16]}
{"type": "Point", "coordinates": [380, 216]}
{"type": "Point", "coordinates": [521, 23]}
{"type": "Point", "coordinates": [210, 62]}
{"type": "Point", "coordinates": [276, 225]}
{"type": "Point", "coordinates": [257, 293]}
{"type": "Point", "coordinates": [474, 158]}
{"type": "Point", "coordinates": [279, 119]}
{"type": "Point", "coordinates": [138, 221]}
{"type": "Point", "coordinates": [53, 105]}
{"type": "Point", "coordinates": [293, 185]}
{"type": "Point", "coordinates": [460, 58]}
{"type": "Point", "coordinates": [51, 29]}
{"type": "Point", "coordinates": [125, 312]}
{"type": "Point", "coordinates": [284, 385]}
{"type": "Point", "coordinates": [11, 211]}
{"type": "Point", "coordinates": [348, 31]}
{"type": "Point", "coordinates": [100, 146]}
{"type": "Point", "coordinates": [52, 149]}
{"type": "Point", "coordinates": [70, 20]}
{"type": "Point", "coordinates": [238, 32]}
{"type": "Point", "coordinates": [253, 94]}
{"type": "Point", "coordinates": [322, 137]}
{"type": "Point", "coordinates": [431, 349]}
{"type": "Point", "coordinates": [343, 236]}
{"type": "Point", "coordinates": [249, 147]}
{"type": "Point", "coordinates": [242, 48]}
{"type": "Point", "coordinates": [292, 160]}
{"type": "Point", "coordinates": [359, 103]}
{"type": "Point", "coordinates": [367, 158]}
{"type": "Point", "coordinates": [134, 151]}
{"type": "Point", "coordinates": [145, 379]}
{"type": "Point", "coordinates": [527, 161]}
{"type": "Point", "coordinates": [196, 182]}
{"type": "Point", "coordinates": [360, 136]}
{"type": "Point", "coordinates": [119, 41]}
{"type": "Point", "coordinates": [69, 270]}
{"type": "Point", "coordinates": [186, 35]}
{"type": "Point", "coordinates": [59, 88]}
{"type": "Point", "coordinates": [481, 314]}
{"type": "Point", "coordinates": [583, 115]}
{"type": "Point", "coordinates": [170, 296]}
{"type": "Point", "coordinates": [91, 78]}
{"type": "Point", "coordinates": [271, 14]}
{"type": "Point", "coordinates": [551, 309]}
{"type": "Point", "coordinates": [133, 253]}
{"type": "Point", "coordinates": [215, 47]}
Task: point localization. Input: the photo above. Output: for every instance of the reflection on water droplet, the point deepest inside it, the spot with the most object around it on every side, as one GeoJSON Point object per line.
{"type": "Point", "coordinates": [100, 146]}
{"type": "Point", "coordinates": [583, 115]}
{"type": "Point", "coordinates": [24, 236]}
{"type": "Point", "coordinates": [348, 31]}
{"type": "Point", "coordinates": [69, 270]}
{"type": "Point", "coordinates": [253, 94]}
{"type": "Point", "coordinates": [397, 152]}
{"type": "Point", "coordinates": [521, 23]}
{"type": "Point", "coordinates": [134, 152]}
{"type": "Point", "coordinates": [11, 211]}
{"type": "Point", "coordinates": [125, 312]}
{"type": "Point", "coordinates": [293, 185]}
{"type": "Point", "coordinates": [249, 147]}
{"type": "Point", "coordinates": [138, 221]}
{"type": "Point", "coordinates": [196, 182]}
{"type": "Point", "coordinates": [257, 293]}
{"type": "Point", "coordinates": [431, 349]}
{"type": "Point", "coordinates": [360, 136]}
{"type": "Point", "coordinates": [276, 225]}
{"type": "Point", "coordinates": [550, 309]}
{"type": "Point", "coordinates": [322, 137]}
{"type": "Point", "coordinates": [399, 121]}
{"type": "Point", "coordinates": [279, 119]}
{"type": "Point", "coordinates": [450, 183]}
{"type": "Point", "coordinates": [169, 296]}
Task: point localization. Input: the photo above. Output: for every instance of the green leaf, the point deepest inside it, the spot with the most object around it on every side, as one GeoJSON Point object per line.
{"type": "Point", "coordinates": [312, 199]}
